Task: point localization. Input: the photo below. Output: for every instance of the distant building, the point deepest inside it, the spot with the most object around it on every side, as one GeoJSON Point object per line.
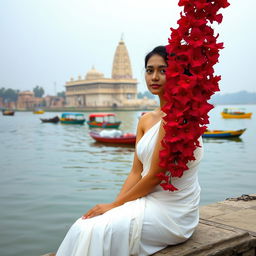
{"type": "Point", "coordinates": [94, 90]}
{"type": "Point", "coordinates": [54, 101]}
{"type": "Point", "coordinates": [27, 100]}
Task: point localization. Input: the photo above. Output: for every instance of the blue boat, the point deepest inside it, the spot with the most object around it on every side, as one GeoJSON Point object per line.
{"type": "Point", "coordinates": [72, 118]}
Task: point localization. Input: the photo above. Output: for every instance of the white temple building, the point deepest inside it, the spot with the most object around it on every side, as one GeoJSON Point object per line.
{"type": "Point", "coordinates": [94, 90]}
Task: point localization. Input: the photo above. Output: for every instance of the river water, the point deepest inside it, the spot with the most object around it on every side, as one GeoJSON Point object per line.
{"type": "Point", "coordinates": [52, 173]}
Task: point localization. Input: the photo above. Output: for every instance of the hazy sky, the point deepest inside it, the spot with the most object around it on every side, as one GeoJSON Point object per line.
{"type": "Point", "coordinates": [45, 42]}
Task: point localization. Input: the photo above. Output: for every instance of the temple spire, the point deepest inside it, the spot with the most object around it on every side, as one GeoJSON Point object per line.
{"type": "Point", "coordinates": [121, 65]}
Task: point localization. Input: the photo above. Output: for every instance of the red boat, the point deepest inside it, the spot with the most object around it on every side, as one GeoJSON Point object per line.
{"type": "Point", "coordinates": [103, 120]}
{"type": "Point", "coordinates": [127, 138]}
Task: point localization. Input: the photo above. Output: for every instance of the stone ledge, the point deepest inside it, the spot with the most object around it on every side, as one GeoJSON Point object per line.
{"type": "Point", "coordinates": [226, 228]}
{"type": "Point", "coordinates": [212, 240]}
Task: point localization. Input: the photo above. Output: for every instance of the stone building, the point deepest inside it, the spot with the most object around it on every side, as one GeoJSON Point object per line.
{"type": "Point", "coordinates": [54, 102]}
{"type": "Point", "coordinates": [94, 90]}
{"type": "Point", "coordinates": [27, 100]}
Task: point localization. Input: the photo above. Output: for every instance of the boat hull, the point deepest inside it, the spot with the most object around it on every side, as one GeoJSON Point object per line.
{"type": "Point", "coordinates": [8, 113]}
{"type": "Point", "coordinates": [223, 134]}
{"type": "Point", "coordinates": [54, 120]}
{"type": "Point", "coordinates": [128, 140]}
{"type": "Point", "coordinates": [72, 121]}
{"type": "Point", "coordinates": [103, 124]}
{"type": "Point", "coordinates": [245, 115]}
{"type": "Point", "coordinates": [38, 112]}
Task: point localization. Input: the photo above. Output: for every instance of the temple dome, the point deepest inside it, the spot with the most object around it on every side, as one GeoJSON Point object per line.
{"type": "Point", "coordinates": [121, 65]}
{"type": "Point", "coordinates": [93, 74]}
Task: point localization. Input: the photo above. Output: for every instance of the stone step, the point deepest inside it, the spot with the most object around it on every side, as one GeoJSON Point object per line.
{"type": "Point", "coordinates": [226, 228]}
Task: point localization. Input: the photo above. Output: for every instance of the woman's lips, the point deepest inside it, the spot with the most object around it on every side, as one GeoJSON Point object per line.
{"type": "Point", "coordinates": [154, 86]}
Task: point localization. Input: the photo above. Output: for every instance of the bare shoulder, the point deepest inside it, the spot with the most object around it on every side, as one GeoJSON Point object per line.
{"type": "Point", "coordinates": [148, 120]}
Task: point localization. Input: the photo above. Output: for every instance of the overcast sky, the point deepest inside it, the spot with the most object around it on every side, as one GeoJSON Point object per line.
{"type": "Point", "coordinates": [45, 42]}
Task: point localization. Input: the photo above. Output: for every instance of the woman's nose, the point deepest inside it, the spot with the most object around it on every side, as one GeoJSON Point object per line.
{"type": "Point", "coordinates": [155, 76]}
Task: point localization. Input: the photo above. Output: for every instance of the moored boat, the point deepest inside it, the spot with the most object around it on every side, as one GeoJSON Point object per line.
{"type": "Point", "coordinates": [235, 113]}
{"type": "Point", "coordinates": [103, 120]}
{"type": "Point", "coordinates": [38, 111]}
{"type": "Point", "coordinates": [113, 138]}
{"type": "Point", "coordinates": [72, 118]}
{"type": "Point", "coordinates": [223, 133]}
{"type": "Point", "coordinates": [8, 112]}
{"type": "Point", "coordinates": [50, 120]}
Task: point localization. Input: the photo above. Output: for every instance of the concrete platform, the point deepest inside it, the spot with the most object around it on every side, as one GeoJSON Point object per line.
{"type": "Point", "coordinates": [226, 228]}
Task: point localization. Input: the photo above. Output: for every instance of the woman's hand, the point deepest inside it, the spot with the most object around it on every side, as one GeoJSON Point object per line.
{"type": "Point", "coordinates": [98, 210]}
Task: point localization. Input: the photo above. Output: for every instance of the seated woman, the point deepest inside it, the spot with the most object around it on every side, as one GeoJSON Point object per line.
{"type": "Point", "coordinates": [144, 218]}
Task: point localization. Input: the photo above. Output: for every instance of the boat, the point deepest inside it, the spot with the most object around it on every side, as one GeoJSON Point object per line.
{"type": "Point", "coordinates": [112, 137]}
{"type": "Point", "coordinates": [54, 120]}
{"type": "Point", "coordinates": [103, 120]}
{"type": "Point", "coordinates": [235, 113]}
{"type": "Point", "coordinates": [8, 112]}
{"type": "Point", "coordinates": [72, 118]}
{"type": "Point", "coordinates": [38, 111]}
{"type": "Point", "coordinates": [223, 133]}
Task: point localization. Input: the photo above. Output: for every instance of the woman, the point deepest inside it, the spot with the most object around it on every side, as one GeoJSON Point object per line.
{"type": "Point", "coordinates": [144, 218]}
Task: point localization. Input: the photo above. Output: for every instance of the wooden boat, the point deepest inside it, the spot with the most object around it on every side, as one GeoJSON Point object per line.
{"type": "Point", "coordinates": [223, 133]}
{"type": "Point", "coordinates": [38, 111]}
{"type": "Point", "coordinates": [72, 118]}
{"type": "Point", "coordinates": [103, 120]}
{"type": "Point", "coordinates": [127, 138]}
{"type": "Point", "coordinates": [54, 120]}
{"type": "Point", "coordinates": [8, 112]}
{"type": "Point", "coordinates": [235, 113]}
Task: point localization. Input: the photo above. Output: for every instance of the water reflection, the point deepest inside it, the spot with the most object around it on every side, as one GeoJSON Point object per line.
{"type": "Point", "coordinates": [129, 148]}
{"type": "Point", "coordinates": [222, 140]}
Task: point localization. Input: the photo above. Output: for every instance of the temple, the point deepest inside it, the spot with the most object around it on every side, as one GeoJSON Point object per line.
{"type": "Point", "coordinates": [94, 90]}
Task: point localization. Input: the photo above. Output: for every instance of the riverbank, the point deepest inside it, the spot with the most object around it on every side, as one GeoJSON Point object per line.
{"type": "Point", "coordinates": [91, 109]}
{"type": "Point", "coordinates": [226, 228]}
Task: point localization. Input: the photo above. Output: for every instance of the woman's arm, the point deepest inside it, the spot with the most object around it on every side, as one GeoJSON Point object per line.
{"type": "Point", "coordinates": [133, 177]}
{"type": "Point", "coordinates": [137, 167]}
{"type": "Point", "coordinates": [146, 184]}
{"type": "Point", "coordinates": [136, 190]}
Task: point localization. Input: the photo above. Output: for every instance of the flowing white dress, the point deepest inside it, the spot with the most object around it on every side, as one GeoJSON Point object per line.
{"type": "Point", "coordinates": [143, 226]}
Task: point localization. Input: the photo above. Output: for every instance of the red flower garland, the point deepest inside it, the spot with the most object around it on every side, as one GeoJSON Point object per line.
{"type": "Point", "coordinates": [192, 52]}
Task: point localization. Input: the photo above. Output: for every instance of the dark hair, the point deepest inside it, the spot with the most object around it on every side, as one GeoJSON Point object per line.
{"type": "Point", "coordinates": [159, 50]}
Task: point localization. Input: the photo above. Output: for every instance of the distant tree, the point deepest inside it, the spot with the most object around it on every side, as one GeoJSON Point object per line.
{"type": "Point", "coordinates": [9, 95]}
{"type": "Point", "coordinates": [2, 90]}
{"type": "Point", "coordinates": [38, 91]}
{"type": "Point", "coordinates": [61, 94]}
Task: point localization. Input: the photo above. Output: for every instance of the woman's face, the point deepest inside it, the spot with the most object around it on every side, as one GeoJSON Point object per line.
{"type": "Point", "coordinates": [155, 74]}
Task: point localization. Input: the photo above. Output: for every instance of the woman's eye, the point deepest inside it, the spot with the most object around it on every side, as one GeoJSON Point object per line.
{"type": "Point", "coordinates": [162, 71]}
{"type": "Point", "coordinates": [149, 70]}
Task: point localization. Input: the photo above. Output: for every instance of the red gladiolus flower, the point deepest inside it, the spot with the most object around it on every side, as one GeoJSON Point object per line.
{"type": "Point", "coordinates": [222, 3]}
{"type": "Point", "coordinates": [195, 38]}
{"type": "Point", "coordinates": [173, 70]}
{"type": "Point", "coordinates": [193, 51]}
{"type": "Point", "coordinates": [184, 2]}
{"type": "Point", "coordinates": [201, 4]}
{"type": "Point", "coordinates": [167, 186]}
{"type": "Point", "coordinates": [163, 177]}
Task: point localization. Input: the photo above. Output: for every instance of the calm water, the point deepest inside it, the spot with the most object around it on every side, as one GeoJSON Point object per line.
{"type": "Point", "coordinates": [51, 174]}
